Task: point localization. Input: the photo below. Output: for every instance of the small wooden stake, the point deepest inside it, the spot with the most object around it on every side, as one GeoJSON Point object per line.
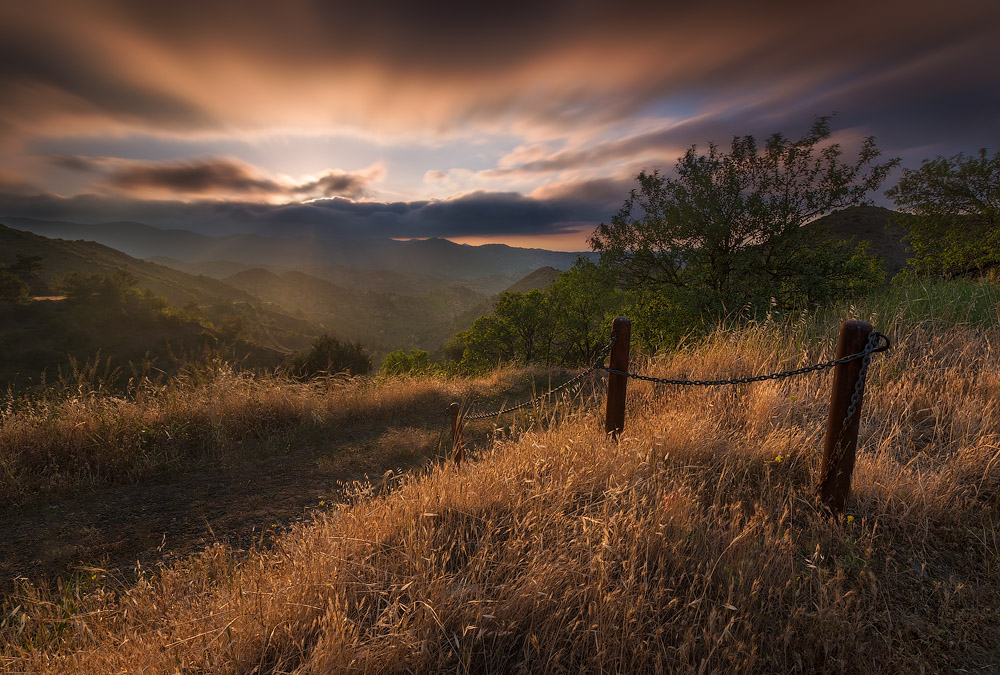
{"type": "Point", "coordinates": [614, 421]}
{"type": "Point", "coordinates": [842, 442]}
{"type": "Point", "coordinates": [457, 444]}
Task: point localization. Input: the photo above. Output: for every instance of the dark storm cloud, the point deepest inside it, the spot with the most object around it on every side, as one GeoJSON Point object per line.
{"type": "Point", "coordinates": [195, 178]}
{"type": "Point", "coordinates": [217, 177]}
{"type": "Point", "coordinates": [334, 184]}
{"type": "Point", "coordinates": [478, 214]}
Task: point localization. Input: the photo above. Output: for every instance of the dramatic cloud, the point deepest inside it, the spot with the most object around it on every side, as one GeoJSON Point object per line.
{"type": "Point", "coordinates": [216, 178]}
{"type": "Point", "coordinates": [209, 67]}
{"type": "Point", "coordinates": [465, 105]}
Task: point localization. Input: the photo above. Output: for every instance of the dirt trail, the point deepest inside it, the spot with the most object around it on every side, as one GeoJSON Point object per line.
{"type": "Point", "coordinates": [246, 502]}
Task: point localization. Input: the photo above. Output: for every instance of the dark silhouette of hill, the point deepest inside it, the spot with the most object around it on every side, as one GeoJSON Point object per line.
{"type": "Point", "coordinates": [539, 279]}
{"type": "Point", "coordinates": [431, 257]}
{"type": "Point", "coordinates": [871, 224]}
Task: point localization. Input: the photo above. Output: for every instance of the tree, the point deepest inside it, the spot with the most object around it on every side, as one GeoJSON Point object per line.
{"type": "Point", "coordinates": [328, 355]}
{"type": "Point", "coordinates": [582, 302]}
{"type": "Point", "coordinates": [12, 287]}
{"type": "Point", "coordinates": [80, 286]}
{"type": "Point", "coordinates": [108, 290]}
{"type": "Point", "coordinates": [27, 266]}
{"type": "Point", "coordinates": [567, 323]}
{"type": "Point", "coordinates": [520, 330]}
{"type": "Point", "coordinates": [953, 214]}
{"type": "Point", "coordinates": [726, 230]}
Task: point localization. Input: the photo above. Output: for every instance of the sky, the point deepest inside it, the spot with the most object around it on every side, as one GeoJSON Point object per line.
{"type": "Point", "coordinates": [519, 122]}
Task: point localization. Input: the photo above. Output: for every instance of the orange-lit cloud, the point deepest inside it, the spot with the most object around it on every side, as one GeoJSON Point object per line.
{"type": "Point", "coordinates": [117, 66]}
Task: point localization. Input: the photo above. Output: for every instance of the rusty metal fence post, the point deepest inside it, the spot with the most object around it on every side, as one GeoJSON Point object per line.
{"type": "Point", "coordinates": [839, 452]}
{"type": "Point", "coordinates": [614, 420]}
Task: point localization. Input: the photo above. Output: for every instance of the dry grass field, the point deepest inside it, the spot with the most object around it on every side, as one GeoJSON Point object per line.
{"type": "Point", "coordinates": [692, 544]}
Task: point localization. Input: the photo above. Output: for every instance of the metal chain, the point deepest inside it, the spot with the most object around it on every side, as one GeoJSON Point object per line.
{"type": "Point", "coordinates": [538, 399]}
{"type": "Point", "coordinates": [877, 342]}
{"type": "Point", "coordinates": [862, 375]}
{"type": "Point", "coordinates": [873, 339]}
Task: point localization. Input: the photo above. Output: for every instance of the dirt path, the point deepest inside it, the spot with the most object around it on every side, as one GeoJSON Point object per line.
{"type": "Point", "coordinates": [241, 504]}
{"type": "Point", "coordinates": [244, 501]}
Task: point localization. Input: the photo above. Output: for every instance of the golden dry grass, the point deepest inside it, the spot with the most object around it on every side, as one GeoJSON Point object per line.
{"type": "Point", "coordinates": [691, 545]}
{"type": "Point", "coordinates": [78, 436]}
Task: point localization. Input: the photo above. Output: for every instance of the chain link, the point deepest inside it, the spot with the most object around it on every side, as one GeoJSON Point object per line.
{"type": "Point", "coordinates": [862, 375]}
{"type": "Point", "coordinates": [538, 399]}
{"type": "Point", "coordinates": [873, 346]}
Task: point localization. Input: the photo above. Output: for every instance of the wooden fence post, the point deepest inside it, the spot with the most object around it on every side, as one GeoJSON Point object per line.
{"type": "Point", "coordinates": [842, 442]}
{"type": "Point", "coordinates": [614, 421]}
{"type": "Point", "coordinates": [457, 443]}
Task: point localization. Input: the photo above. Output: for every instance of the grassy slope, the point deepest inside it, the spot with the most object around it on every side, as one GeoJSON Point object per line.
{"type": "Point", "coordinates": [265, 325]}
{"type": "Point", "coordinates": [691, 545]}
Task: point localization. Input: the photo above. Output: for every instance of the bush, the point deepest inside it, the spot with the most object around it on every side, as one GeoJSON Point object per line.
{"type": "Point", "coordinates": [401, 362]}
{"type": "Point", "coordinates": [328, 356]}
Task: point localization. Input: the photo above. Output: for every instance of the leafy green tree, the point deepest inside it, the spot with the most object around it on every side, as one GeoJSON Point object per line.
{"type": "Point", "coordinates": [328, 355]}
{"type": "Point", "coordinates": [401, 362]}
{"type": "Point", "coordinates": [80, 286]}
{"type": "Point", "coordinates": [725, 232]}
{"type": "Point", "coordinates": [583, 301]}
{"type": "Point", "coordinates": [12, 287]}
{"type": "Point", "coordinates": [567, 323]}
{"type": "Point", "coordinates": [108, 290]}
{"type": "Point", "coordinates": [520, 330]}
{"type": "Point", "coordinates": [952, 208]}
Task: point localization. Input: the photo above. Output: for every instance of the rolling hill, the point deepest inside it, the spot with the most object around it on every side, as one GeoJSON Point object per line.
{"type": "Point", "coordinates": [383, 322]}
{"type": "Point", "coordinates": [871, 224]}
{"type": "Point", "coordinates": [41, 335]}
{"type": "Point", "coordinates": [429, 257]}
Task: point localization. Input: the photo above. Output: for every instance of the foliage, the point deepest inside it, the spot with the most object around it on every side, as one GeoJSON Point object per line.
{"type": "Point", "coordinates": [517, 332]}
{"type": "Point", "coordinates": [564, 324]}
{"type": "Point", "coordinates": [726, 232]}
{"type": "Point", "coordinates": [401, 362]}
{"type": "Point", "coordinates": [27, 265]}
{"type": "Point", "coordinates": [329, 356]}
{"type": "Point", "coordinates": [953, 208]}
{"type": "Point", "coordinates": [14, 278]}
{"type": "Point", "coordinates": [93, 287]}
{"type": "Point", "coordinates": [12, 287]}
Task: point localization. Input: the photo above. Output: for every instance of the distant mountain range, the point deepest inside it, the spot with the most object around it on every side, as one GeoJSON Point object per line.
{"type": "Point", "coordinates": [281, 308]}
{"type": "Point", "coordinates": [437, 258]}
